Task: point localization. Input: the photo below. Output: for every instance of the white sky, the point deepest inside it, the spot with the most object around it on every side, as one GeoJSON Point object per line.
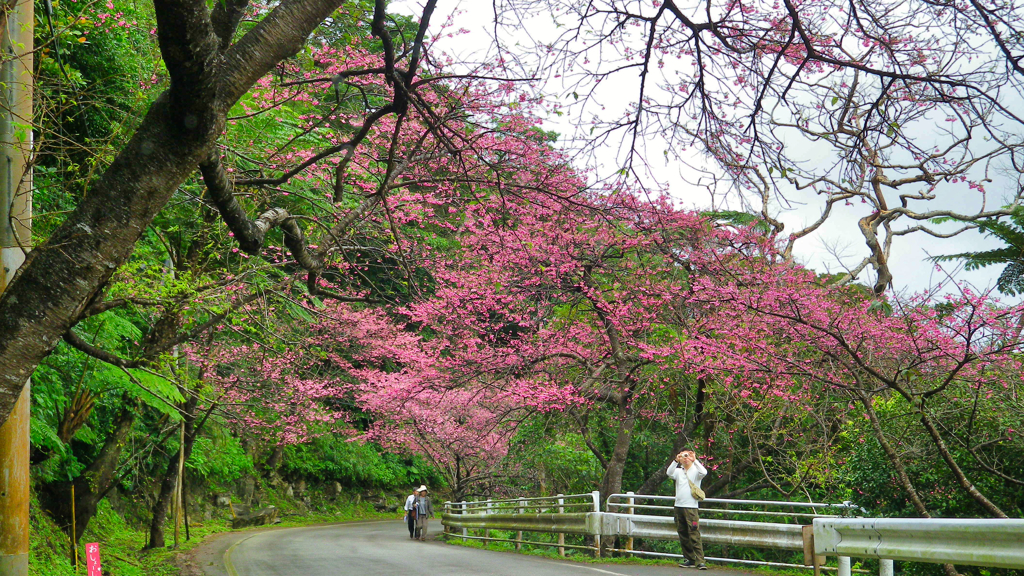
{"type": "Point", "coordinates": [907, 262]}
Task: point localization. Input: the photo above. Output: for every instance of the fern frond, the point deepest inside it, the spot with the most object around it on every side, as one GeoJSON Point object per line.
{"type": "Point", "coordinates": [1005, 231]}
{"type": "Point", "coordinates": [976, 260]}
{"type": "Point", "coordinates": [1011, 281]}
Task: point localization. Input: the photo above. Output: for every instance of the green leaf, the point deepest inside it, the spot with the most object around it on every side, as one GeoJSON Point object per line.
{"type": "Point", "coordinates": [881, 306]}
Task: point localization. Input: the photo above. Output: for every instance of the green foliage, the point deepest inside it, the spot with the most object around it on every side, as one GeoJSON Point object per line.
{"type": "Point", "coordinates": [737, 218]}
{"type": "Point", "coordinates": [866, 477]}
{"type": "Point", "coordinates": [557, 459]}
{"type": "Point", "coordinates": [91, 65]}
{"type": "Point", "coordinates": [120, 545]}
{"type": "Point", "coordinates": [356, 464]}
{"type": "Point", "coordinates": [49, 547]}
{"type": "Point", "coordinates": [218, 460]}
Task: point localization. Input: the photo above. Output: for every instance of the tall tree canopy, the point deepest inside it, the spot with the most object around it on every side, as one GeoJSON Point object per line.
{"type": "Point", "coordinates": [749, 73]}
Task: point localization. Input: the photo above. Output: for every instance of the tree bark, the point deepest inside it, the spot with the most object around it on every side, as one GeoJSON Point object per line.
{"type": "Point", "coordinates": [274, 461]}
{"type": "Point", "coordinates": [611, 482]}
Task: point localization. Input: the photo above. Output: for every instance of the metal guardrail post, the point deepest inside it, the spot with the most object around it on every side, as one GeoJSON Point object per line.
{"type": "Point", "coordinates": [844, 566]}
{"type": "Point", "coordinates": [561, 535]}
{"type": "Point", "coordinates": [447, 509]}
{"type": "Point", "coordinates": [520, 508]}
{"type": "Point", "coordinates": [487, 532]}
{"type": "Point", "coordinates": [465, 532]}
{"type": "Point", "coordinates": [630, 511]}
{"type": "Point", "coordinates": [885, 568]}
{"type": "Point", "coordinates": [597, 537]}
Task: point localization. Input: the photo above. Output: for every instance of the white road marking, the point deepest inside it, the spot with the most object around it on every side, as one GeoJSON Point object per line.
{"type": "Point", "coordinates": [598, 570]}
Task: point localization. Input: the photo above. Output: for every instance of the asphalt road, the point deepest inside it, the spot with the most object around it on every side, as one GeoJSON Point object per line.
{"type": "Point", "coordinates": [384, 549]}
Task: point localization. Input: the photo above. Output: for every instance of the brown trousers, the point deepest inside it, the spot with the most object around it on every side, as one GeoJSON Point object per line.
{"type": "Point", "coordinates": [421, 526]}
{"type": "Point", "coordinates": [687, 525]}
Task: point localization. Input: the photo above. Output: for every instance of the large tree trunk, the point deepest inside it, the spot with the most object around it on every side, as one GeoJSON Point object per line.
{"type": "Point", "coordinates": [92, 485]}
{"type": "Point", "coordinates": [611, 482]}
{"type": "Point", "coordinates": [273, 464]}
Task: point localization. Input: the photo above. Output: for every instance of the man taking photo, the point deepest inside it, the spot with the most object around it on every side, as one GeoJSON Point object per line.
{"type": "Point", "coordinates": [687, 473]}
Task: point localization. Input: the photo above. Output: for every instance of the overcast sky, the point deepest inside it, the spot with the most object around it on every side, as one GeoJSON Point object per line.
{"type": "Point", "coordinates": [839, 235]}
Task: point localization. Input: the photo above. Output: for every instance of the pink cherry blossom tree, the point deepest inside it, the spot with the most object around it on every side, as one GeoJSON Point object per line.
{"type": "Point", "coordinates": [770, 325]}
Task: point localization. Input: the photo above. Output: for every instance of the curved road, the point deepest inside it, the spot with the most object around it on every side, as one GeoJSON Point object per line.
{"type": "Point", "coordinates": [384, 549]}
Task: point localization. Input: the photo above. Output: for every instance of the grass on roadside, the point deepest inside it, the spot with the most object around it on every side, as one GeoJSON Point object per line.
{"type": "Point", "coordinates": [588, 558]}
{"type": "Point", "coordinates": [121, 544]}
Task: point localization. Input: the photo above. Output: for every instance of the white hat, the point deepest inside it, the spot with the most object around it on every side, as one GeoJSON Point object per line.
{"type": "Point", "coordinates": [422, 488]}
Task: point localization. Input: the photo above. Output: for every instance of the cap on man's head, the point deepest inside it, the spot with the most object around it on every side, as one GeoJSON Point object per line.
{"type": "Point", "coordinates": [422, 488]}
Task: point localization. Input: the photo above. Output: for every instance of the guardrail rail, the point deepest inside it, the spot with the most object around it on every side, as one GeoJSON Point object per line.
{"type": "Point", "coordinates": [819, 529]}
{"type": "Point", "coordinates": [622, 520]}
{"type": "Point", "coordinates": [560, 514]}
{"type": "Point", "coordinates": [976, 542]}
{"type": "Point", "coordinates": [581, 514]}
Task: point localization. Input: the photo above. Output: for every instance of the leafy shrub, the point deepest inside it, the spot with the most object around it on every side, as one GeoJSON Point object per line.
{"type": "Point", "coordinates": [356, 465]}
{"type": "Point", "coordinates": [219, 460]}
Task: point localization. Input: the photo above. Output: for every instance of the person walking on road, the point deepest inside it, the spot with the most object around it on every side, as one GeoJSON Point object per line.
{"type": "Point", "coordinates": [410, 512]}
{"type": "Point", "coordinates": [424, 511]}
{"type": "Point", "coordinates": [688, 473]}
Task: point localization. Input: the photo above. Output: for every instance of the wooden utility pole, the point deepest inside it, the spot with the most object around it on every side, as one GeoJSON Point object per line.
{"type": "Point", "coordinates": [17, 19]}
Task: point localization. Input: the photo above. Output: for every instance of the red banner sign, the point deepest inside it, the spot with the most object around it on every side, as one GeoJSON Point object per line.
{"type": "Point", "coordinates": [92, 559]}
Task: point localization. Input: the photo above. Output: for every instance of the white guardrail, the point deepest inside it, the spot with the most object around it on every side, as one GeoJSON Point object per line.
{"type": "Point", "coordinates": [791, 536]}
{"type": "Point", "coordinates": [994, 543]}
{"type": "Point", "coordinates": [560, 514]}
{"type": "Point", "coordinates": [580, 514]}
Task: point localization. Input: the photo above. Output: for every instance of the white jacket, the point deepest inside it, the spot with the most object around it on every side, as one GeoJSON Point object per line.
{"type": "Point", "coordinates": [696, 473]}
